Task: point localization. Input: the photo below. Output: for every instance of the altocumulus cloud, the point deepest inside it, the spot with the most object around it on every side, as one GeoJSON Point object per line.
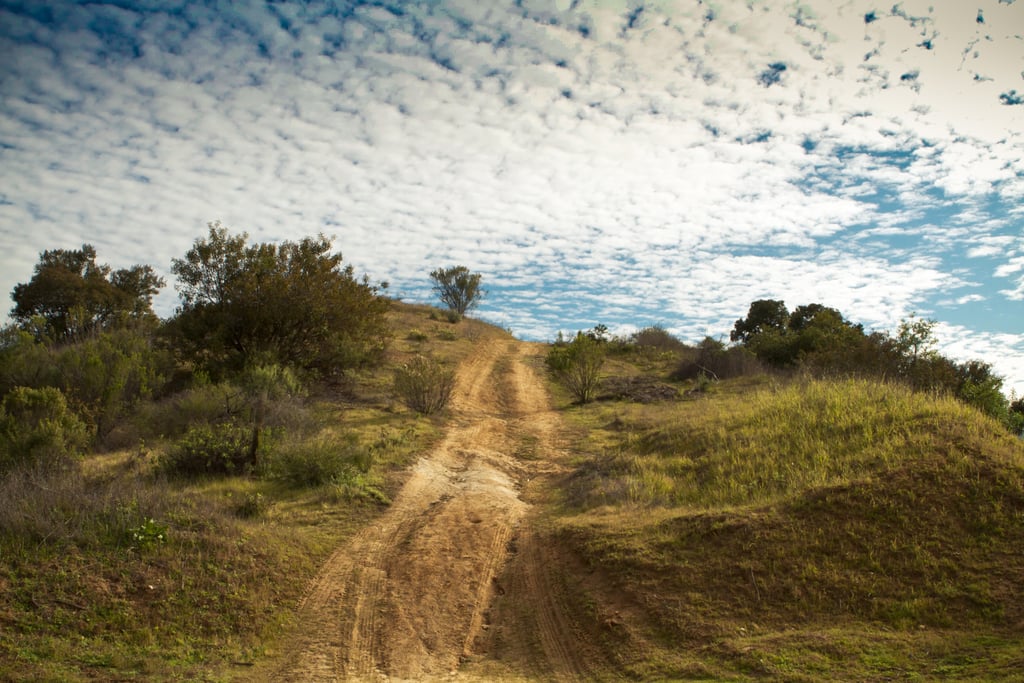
{"type": "Point", "coordinates": [599, 161]}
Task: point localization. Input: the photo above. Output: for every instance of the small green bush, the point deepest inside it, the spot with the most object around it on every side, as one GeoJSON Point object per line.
{"type": "Point", "coordinates": [147, 535]}
{"type": "Point", "coordinates": [319, 461]}
{"type": "Point", "coordinates": [218, 448]}
{"type": "Point", "coordinates": [38, 428]}
{"type": "Point", "coordinates": [657, 338]}
{"type": "Point", "coordinates": [577, 365]}
{"type": "Point", "coordinates": [253, 505]}
{"type": "Point", "coordinates": [424, 385]}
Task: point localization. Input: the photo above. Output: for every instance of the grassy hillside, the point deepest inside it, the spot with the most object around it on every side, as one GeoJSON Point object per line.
{"type": "Point", "coordinates": [803, 530]}
{"type": "Point", "coordinates": [116, 570]}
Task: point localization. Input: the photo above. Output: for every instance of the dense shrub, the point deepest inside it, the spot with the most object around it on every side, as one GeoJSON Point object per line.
{"type": "Point", "coordinates": [713, 360]}
{"type": "Point", "coordinates": [319, 461]}
{"type": "Point", "coordinates": [217, 448]}
{"type": "Point", "coordinates": [37, 428]}
{"type": "Point", "coordinates": [103, 377]}
{"type": "Point", "coordinates": [658, 339]}
{"type": "Point", "coordinates": [424, 385]}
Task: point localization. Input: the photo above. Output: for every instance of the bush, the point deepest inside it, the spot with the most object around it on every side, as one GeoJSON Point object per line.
{"type": "Point", "coordinates": [319, 461]}
{"type": "Point", "coordinates": [37, 428]}
{"type": "Point", "coordinates": [715, 361]}
{"type": "Point", "coordinates": [424, 385]}
{"type": "Point", "coordinates": [205, 403]}
{"type": "Point", "coordinates": [657, 338]}
{"type": "Point", "coordinates": [218, 448]}
{"type": "Point", "coordinates": [577, 365]}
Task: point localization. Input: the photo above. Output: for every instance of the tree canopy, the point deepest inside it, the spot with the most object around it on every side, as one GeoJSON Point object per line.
{"type": "Point", "coordinates": [458, 288]}
{"type": "Point", "coordinates": [293, 303]}
{"type": "Point", "coordinates": [72, 296]}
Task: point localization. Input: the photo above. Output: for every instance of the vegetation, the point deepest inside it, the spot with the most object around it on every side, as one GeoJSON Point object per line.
{"type": "Point", "coordinates": [792, 528]}
{"type": "Point", "coordinates": [577, 365]}
{"type": "Point", "coordinates": [457, 288]}
{"type": "Point", "coordinates": [37, 429]}
{"type": "Point", "coordinates": [818, 339]}
{"type": "Point", "coordinates": [424, 385]}
{"type": "Point", "coordinates": [810, 501]}
{"type": "Point", "coordinates": [71, 296]}
{"type": "Point", "coordinates": [167, 488]}
{"type": "Point", "coordinates": [293, 304]}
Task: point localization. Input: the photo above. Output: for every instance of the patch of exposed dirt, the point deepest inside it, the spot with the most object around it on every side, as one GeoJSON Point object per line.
{"type": "Point", "coordinates": [410, 597]}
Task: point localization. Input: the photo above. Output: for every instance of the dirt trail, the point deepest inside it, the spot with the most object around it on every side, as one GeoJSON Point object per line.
{"type": "Point", "coordinates": [408, 598]}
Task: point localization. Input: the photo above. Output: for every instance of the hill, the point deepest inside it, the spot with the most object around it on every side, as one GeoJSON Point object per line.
{"type": "Point", "coordinates": [798, 530]}
{"type": "Point", "coordinates": [764, 527]}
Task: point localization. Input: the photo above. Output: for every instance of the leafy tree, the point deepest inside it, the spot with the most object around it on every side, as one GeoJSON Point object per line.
{"type": "Point", "coordinates": [457, 288]}
{"type": "Point", "coordinates": [983, 389]}
{"type": "Point", "coordinates": [915, 338]}
{"type": "Point", "coordinates": [764, 315]}
{"type": "Point", "coordinates": [577, 365]}
{"type": "Point", "coordinates": [74, 296]}
{"type": "Point", "coordinates": [294, 304]}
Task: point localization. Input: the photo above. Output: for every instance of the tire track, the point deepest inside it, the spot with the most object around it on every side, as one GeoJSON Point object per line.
{"type": "Point", "coordinates": [406, 597]}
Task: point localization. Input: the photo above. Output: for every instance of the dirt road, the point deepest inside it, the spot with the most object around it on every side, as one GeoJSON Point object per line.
{"type": "Point", "coordinates": [409, 597]}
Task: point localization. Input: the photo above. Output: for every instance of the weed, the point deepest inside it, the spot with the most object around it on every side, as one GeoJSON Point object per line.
{"type": "Point", "coordinates": [147, 535]}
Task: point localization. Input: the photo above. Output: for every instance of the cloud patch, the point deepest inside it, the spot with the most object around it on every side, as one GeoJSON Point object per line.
{"type": "Point", "coordinates": [598, 161]}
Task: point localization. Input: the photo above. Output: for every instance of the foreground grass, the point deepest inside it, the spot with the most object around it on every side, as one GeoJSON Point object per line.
{"type": "Point", "coordinates": [111, 570]}
{"type": "Point", "coordinates": [809, 530]}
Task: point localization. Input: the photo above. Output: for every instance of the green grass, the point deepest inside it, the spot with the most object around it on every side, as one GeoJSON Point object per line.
{"type": "Point", "coordinates": [804, 530]}
{"type": "Point", "coordinates": [771, 443]}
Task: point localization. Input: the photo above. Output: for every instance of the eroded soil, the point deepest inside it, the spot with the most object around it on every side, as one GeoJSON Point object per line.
{"type": "Point", "coordinates": [410, 597]}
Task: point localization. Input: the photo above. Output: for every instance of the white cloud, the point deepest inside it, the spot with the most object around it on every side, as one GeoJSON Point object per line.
{"type": "Point", "coordinates": [652, 168]}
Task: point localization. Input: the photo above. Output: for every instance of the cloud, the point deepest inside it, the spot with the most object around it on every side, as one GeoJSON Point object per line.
{"type": "Point", "coordinates": [592, 159]}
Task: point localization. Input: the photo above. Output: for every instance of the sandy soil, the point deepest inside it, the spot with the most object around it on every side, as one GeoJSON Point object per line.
{"type": "Point", "coordinates": [409, 598]}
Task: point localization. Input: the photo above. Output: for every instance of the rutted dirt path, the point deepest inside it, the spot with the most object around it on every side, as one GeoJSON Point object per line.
{"type": "Point", "coordinates": [408, 598]}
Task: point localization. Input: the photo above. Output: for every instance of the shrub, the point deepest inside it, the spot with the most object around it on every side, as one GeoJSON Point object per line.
{"type": "Point", "coordinates": [253, 505]}
{"type": "Point", "coordinates": [319, 461]}
{"type": "Point", "coordinates": [218, 448]}
{"type": "Point", "coordinates": [577, 365]}
{"type": "Point", "coordinates": [717, 362]}
{"type": "Point", "coordinates": [424, 385]}
{"type": "Point", "coordinates": [657, 338]}
{"type": "Point", "coordinates": [37, 428]}
{"type": "Point", "coordinates": [204, 403]}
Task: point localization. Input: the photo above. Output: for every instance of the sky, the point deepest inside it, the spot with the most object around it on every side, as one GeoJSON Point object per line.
{"type": "Point", "coordinates": [597, 161]}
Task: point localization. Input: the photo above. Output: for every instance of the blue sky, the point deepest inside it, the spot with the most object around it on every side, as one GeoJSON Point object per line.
{"type": "Point", "coordinates": [598, 161]}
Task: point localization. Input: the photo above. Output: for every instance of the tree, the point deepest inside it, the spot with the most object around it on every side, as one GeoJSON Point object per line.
{"type": "Point", "coordinates": [764, 315]}
{"type": "Point", "coordinates": [293, 304]}
{"type": "Point", "coordinates": [457, 288]}
{"type": "Point", "coordinates": [983, 389]}
{"type": "Point", "coordinates": [74, 296]}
